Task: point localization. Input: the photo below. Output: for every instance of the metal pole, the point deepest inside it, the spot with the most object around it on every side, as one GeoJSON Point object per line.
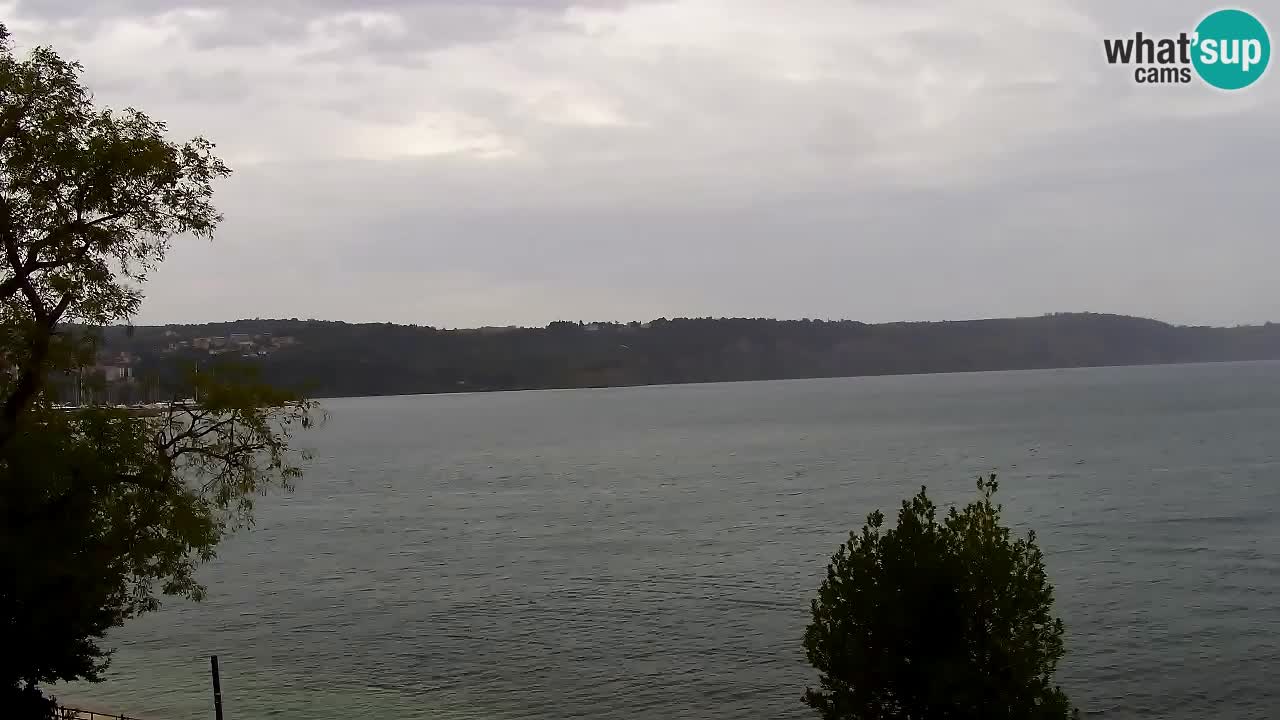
{"type": "Point", "coordinates": [217, 688]}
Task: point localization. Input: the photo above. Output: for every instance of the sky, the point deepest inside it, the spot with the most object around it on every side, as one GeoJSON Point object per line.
{"type": "Point", "coordinates": [460, 163]}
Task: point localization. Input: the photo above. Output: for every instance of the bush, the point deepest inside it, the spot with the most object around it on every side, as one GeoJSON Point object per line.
{"type": "Point", "coordinates": [933, 619]}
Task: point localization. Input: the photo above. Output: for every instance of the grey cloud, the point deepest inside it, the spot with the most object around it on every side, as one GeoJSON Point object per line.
{"type": "Point", "coordinates": [428, 24]}
{"type": "Point", "coordinates": [757, 166]}
{"type": "Point", "coordinates": [62, 9]}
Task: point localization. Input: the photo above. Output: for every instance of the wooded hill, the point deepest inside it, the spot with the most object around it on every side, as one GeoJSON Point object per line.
{"type": "Point", "coordinates": [343, 359]}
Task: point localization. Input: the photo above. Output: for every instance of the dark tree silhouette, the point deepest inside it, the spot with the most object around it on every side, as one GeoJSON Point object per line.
{"type": "Point", "coordinates": [102, 510]}
{"type": "Point", "coordinates": [937, 619]}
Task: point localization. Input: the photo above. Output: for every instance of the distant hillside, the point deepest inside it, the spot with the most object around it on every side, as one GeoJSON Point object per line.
{"type": "Point", "coordinates": [342, 359]}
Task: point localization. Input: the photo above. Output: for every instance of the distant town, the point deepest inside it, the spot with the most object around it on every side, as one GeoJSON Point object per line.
{"type": "Point", "coordinates": [244, 344]}
{"type": "Point", "coordinates": [119, 377]}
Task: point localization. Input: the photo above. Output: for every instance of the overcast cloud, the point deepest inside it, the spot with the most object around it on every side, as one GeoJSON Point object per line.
{"type": "Point", "coordinates": [461, 163]}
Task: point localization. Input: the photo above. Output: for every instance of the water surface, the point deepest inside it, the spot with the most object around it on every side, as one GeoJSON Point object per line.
{"type": "Point", "coordinates": [650, 552]}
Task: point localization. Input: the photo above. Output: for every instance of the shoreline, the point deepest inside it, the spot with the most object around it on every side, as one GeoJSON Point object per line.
{"type": "Point", "coordinates": [801, 378]}
{"type": "Point", "coordinates": [77, 708]}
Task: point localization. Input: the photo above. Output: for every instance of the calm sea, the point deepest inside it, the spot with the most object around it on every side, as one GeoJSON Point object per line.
{"type": "Point", "coordinates": [650, 552]}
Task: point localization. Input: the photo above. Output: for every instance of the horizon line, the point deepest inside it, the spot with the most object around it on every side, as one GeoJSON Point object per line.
{"type": "Point", "coordinates": [1076, 313]}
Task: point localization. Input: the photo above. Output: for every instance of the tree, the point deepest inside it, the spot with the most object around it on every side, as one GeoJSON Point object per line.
{"type": "Point", "coordinates": [89, 201]}
{"type": "Point", "coordinates": [102, 511]}
{"type": "Point", "coordinates": [930, 619]}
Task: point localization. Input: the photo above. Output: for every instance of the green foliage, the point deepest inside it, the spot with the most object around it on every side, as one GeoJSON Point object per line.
{"type": "Point", "coordinates": [234, 444]}
{"type": "Point", "coordinates": [91, 522]}
{"type": "Point", "coordinates": [103, 511]}
{"type": "Point", "coordinates": [89, 200]}
{"type": "Point", "coordinates": [930, 619]}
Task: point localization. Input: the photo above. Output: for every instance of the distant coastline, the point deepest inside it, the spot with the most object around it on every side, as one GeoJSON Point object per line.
{"type": "Point", "coordinates": [335, 359]}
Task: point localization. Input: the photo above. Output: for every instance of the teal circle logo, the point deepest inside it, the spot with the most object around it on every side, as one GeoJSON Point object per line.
{"type": "Point", "coordinates": [1232, 49]}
